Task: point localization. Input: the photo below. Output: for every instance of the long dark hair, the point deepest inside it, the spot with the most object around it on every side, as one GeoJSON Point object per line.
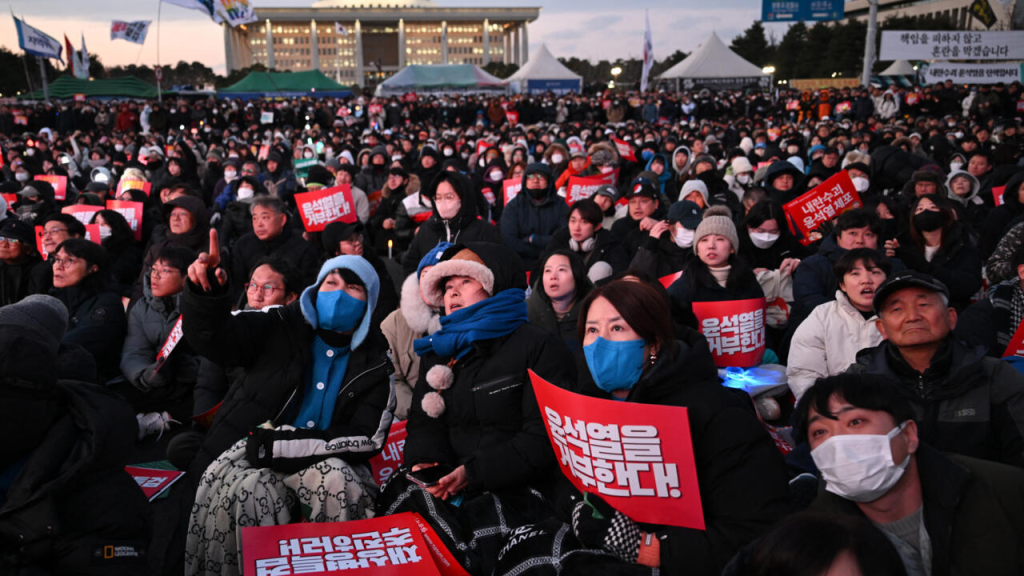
{"type": "Point", "coordinates": [640, 306]}
{"type": "Point", "coordinates": [579, 275]}
{"type": "Point", "coordinates": [94, 255]}
{"type": "Point", "coordinates": [948, 219]}
{"type": "Point", "coordinates": [120, 231]}
{"type": "Point", "coordinates": [763, 211]}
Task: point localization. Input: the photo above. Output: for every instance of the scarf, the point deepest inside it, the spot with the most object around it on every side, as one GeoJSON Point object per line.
{"type": "Point", "coordinates": [492, 318]}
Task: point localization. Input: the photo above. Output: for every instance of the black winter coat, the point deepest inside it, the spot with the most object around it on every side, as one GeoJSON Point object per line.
{"type": "Point", "coordinates": [97, 323]}
{"type": "Point", "coordinates": [289, 245]}
{"type": "Point", "coordinates": [274, 349]}
{"type": "Point", "coordinates": [657, 257]}
{"type": "Point", "coordinates": [605, 250]}
{"type": "Point", "coordinates": [15, 280]}
{"type": "Point", "coordinates": [742, 477]}
{"type": "Point", "coordinates": [697, 285]}
{"type": "Point", "coordinates": [957, 264]}
{"type": "Point", "coordinates": [492, 423]}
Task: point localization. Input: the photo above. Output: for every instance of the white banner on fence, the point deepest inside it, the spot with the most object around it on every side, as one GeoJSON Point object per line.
{"type": "Point", "coordinates": [971, 73]}
{"type": "Point", "coordinates": [951, 45]}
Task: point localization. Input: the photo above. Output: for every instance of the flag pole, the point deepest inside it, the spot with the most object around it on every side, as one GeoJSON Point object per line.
{"type": "Point", "coordinates": [159, 75]}
{"type": "Point", "coordinates": [42, 72]}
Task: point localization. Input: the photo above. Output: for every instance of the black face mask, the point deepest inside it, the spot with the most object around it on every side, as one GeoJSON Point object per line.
{"type": "Point", "coordinates": [538, 194]}
{"type": "Point", "coordinates": [928, 221]}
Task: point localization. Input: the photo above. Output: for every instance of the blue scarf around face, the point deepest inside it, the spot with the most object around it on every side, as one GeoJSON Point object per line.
{"type": "Point", "coordinates": [494, 317]}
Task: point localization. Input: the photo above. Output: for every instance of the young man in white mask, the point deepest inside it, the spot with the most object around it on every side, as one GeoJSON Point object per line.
{"type": "Point", "coordinates": [944, 513]}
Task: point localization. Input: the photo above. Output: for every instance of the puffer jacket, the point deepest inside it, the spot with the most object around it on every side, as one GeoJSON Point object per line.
{"type": "Point", "coordinates": [527, 224]}
{"type": "Point", "coordinates": [370, 179]}
{"type": "Point", "coordinates": [827, 342]}
{"type": "Point", "coordinates": [275, 351]}
{"type": "Point", "coordinates": [414, 319]}
{"type": "Point", "coordinates": [97, 323]}
{"type": "Point", "coordinates": [966, 402]}
{"type": "Point", "coordinates": [730, 447]}
{"type": "Point", "coordinates": [70, 498]}
{"type": "Point", "coordinates": [466, 226]}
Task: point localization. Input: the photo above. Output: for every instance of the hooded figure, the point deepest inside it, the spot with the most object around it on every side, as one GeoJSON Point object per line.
{"type": "Point", "coordinates": [454, 218]}
{"type": "Point", "coordinates": [474, 409]}
{"type": "Point", "coordinates": [772, 182]}
{"type": "Point", "coordinates": [64, 493]}
{"type": "Point", "coordinates": [314, 405]}
{"type": "Point", "coordinates": [374, 175]}
{"type": "Point", "coordinates": [534, 215]}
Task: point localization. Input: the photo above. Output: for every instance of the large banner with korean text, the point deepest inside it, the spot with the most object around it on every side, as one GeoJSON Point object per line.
{"type": "Point", "coordinates": [321, 207]}
{"type": "Point", "coordinates": [734, 329]}
{"type": "Point", "coordinates": [951, 45]}
{"type": "Point", "coordinates": [823, 203]}
{"type": "Point", "coordinates": [637, 457]}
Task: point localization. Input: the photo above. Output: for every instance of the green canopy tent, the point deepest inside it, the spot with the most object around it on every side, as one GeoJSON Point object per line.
{"type": "Point", "coordinates": [442, 79]}
{"type": "Point", "coordinates": [67, 87]}
{"type": "Point", "coordinates": [284, 85]}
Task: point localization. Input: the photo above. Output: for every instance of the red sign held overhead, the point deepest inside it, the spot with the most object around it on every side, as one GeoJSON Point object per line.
{"type": "Point", "coordinates": [132, 212]}
{"type": "Point", "coordinates": [59, 183]}
{"type": "Point", "coordinates": [823, 203]}
{"type": "Point", "coordinates": [734, 329]}
{"type": "Point", "coordinates": [637, 457]}
{"type": "Point", "coordinates": [579, 188]}
{"type": "Point", "coordinates": [625, 150]}
{"type": "Point", "coordinates": [512, 116]}
{"type": "Point", "coordinates": [511, 188]}
{"type": "Point", "coordinates": [82, 212]}
{"type": "Point", "coordinates": [321, 207]}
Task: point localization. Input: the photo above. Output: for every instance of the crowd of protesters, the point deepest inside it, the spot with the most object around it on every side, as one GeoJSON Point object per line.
{"type": "Point", "coordinates": [298, 350]}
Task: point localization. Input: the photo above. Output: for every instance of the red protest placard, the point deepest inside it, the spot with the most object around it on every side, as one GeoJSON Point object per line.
{"type": "Point", "coordinates": [637, 457]}
{"type": "Point", "coordinates": [82, 212]}
{"type": "Point", "coordinates": [92, 233]}
{"type": "Point", "coordinates": [823, 203]}
{"type": "Point", "coordinates": [132, 212]}
{"type": "Point", "coordinates": [625, 150]}
{"type": "Point", "coordinates": [734, 329]}
{"type": "Point", "coordinates": [512, 116]}
{"type": "Point", "coordinates": [511, 188]}
{"type": "Point", "coordinates": [263, 153]}
{"type": "Point", "coordinates": [1016, 346]}
{"type": "Point", "coordinates": [384, 464]}
{"type": "Point", "coordinates": [482, 145]}
{"type": "Point", "coordinates": [10, 199]}
{"type": "Point", "coordinates": [667, 281]}
{"type": "Point", "coordinates": [997, 195]}
{"type": "Point", "coordinates": [123, 185]}
{"type": "Point", "coordinates": [386, 545]}
{"type": "Point", "coordinates": [169, 344]}
{"type": "Point", "coordinates": [443, 559]}
{"type": "Point", "coordinates": [374, 201]}
{"type": "Point", "coordinates": [321, 207]}
{"type": "Point", "coordinates": [375, 109]}
{"type": "Point", "coordinates": [59, 183]}
{"type": "Point", "coordinates": [578, 188]}
{"type": "Point", "coordinates": [152, 481]}
{"type": "Point", "coordinates": [39, 243]}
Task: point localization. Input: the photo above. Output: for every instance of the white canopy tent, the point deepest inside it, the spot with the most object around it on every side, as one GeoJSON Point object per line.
{"type": "Point", "coordinates": [543, 73]}
{"type": "Point", "coordinates": [714, 65]}
{"type": "Point", "coordinates": [899, 68]}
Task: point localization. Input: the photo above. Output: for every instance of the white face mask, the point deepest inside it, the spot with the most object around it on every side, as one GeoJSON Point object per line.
{"type": "Point", "coordinates": [557, 158]}
{"type": "Point", "coordinates": [21, 176]}
{"type": "Point", "coordinates": [683, 237]}
{"type": "Point", "coordinates": [607, 169]}
{"type": "Point", "coordinates": [859, 467]}
{"type": "Point", "coordinates": [119, 147]}
{"type": "Point", "coordinates": [496, 175]}
{"type": "Point", "coordinates": [448, 152]}
{"type": "Point", "coordinates": [229, 175]}
{"type": "Point", "coordinates": [764, 239]}
{"type": "Point", "coordinates": [397, 157]}
{"type": "Point", "coordinates": [482, 162]}
{"type": "Point", "coordinates": [245, 193]}
{"type": "Point", "coordinates": [954, 166]}
{"type": "Point", "coordinates": [860, 183]}
{"type": "Point", "coordinates": [464, 155]}
{"type": "Point", "coordinates": [105, 232]}
{"type": "Point", "coordinates": [743, 179]}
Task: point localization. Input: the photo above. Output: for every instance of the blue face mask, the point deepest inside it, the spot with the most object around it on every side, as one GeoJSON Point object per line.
{"type": "Point", "coordinates": [647, 154]}
{"type": "Point", "coordinates": [615, 365]}
{"type": "Point", "coordinates": [337, 311]}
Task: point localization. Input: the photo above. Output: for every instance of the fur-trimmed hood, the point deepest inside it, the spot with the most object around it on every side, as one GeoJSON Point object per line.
{"type": "Point", "coordinates": [422, 319]}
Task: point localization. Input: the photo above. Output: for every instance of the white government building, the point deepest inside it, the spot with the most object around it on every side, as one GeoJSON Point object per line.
{"type": "Point", "coordinates": [366, 41]}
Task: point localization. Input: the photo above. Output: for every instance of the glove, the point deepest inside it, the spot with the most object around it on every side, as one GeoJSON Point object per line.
{"type": "Point", "coordinates": [598, 525]}
{"type": "Point", "coordinates": [151, 378]}
{"type": "Point", "coordinates": [259, 448]}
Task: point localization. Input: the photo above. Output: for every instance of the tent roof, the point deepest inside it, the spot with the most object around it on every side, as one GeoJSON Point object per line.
{"type": "Point", "coordinates": [543, 66]}
{"type": "Point", "coordinates": [899, 68]}
{"type": "Point", "coordinates": [713, 60]}
{"type": "Point", "coordinates": [442, 76]}
{"type": "Point", "coordinates": [66, 87]}
{"type": "Point", "coordinates": [276, 82]}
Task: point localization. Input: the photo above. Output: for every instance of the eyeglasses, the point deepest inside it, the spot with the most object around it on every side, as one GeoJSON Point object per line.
{"type": "Point", "coordinates": [64, 262]}
{"type": "Point", "coordinates": [9, 240]}
{"type": "Point", "coordinates": [162, 272]}
{"type": "Point", "coordinates": [54, 231]}
{"type": "Point", "coordinates": [267, 289]}
{"type": "Point", "coordinates": [180, 215]}
{"type": "Point", "coordinates": [448, 198]}
{"type": "Point", "coordinates": [536, 176]}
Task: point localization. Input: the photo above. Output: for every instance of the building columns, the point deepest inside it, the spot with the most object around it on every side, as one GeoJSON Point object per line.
{"type": "Point", "coordinates": [270, 46]}
{"type": "Point", "coordinates": [401, 43]}
{"type": "Point", "coordinates": [487, 42]}
{"type": "Point", "coordinates": [526, 44]}
{"type": "Point", "coordinates": [360, 80]}
{"type": "Point", "coordinates": [444, 42]}
{"type": "Point", "coordinates": [314, 41]}
{"type": "Point", "coordinates": [507, 53]}
{"type": "Point", "coordinates": [515, 46]}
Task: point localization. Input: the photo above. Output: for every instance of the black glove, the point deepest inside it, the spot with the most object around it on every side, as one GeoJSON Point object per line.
{"type": "Point", "coordinates": [598, 525]}
{"type": "Point", "coordinates": [152, 378]}
{"type": "Point", "coordinates": [259, 448]}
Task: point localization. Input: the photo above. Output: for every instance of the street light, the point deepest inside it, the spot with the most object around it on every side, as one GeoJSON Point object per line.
{"type": "Point", "coordinates": [615, 75]}
{"type": "Point", "coordinates": [768, 69]}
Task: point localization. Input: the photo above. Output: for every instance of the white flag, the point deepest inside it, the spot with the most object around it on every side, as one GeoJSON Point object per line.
{"type": "Point", "coordinates": [82, 71]}
{"type": "Point", "coordinates": [130, 31]}
{"type": "Point", "coordinates": [339, 28]}
{"type": "Point", "coordinates": [234, 12]}
{"type": "Point", "coordinates": [648, 54]}
{"type": "Point", "coordinates": [37, 43]}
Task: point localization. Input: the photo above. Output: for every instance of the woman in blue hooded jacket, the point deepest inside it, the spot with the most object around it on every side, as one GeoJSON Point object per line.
{"type": "Point", "coordinates": [298, 430]}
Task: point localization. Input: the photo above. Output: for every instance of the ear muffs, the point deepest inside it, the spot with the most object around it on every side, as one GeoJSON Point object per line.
{"type": "Point", "coordinates": [587, 246]}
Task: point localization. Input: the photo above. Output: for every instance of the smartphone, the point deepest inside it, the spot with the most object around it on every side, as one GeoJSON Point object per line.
{"type": "Point", "coordinates": [428, 477]}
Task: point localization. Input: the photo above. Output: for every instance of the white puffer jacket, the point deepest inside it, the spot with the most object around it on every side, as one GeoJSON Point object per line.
{"type": "Point", "coordinates": [827, 342]}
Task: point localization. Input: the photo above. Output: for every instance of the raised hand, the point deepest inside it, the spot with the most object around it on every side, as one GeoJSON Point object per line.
{"type": "Point", "coordinates": [197, 272]}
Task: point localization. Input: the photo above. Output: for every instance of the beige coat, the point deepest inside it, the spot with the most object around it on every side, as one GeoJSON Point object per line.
{"type": "Point", "coordinates": [413, 319]}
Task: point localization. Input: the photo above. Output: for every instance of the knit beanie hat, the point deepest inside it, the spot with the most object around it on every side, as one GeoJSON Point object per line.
{"type": "Point", "coordinates": [432, 257]}
{"type": "Point", "coordinates": [42, 314]}
{"type": "Point", "coordinates": [694, 186]}
{"type": "Point", "coordinates": [717, 221]}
